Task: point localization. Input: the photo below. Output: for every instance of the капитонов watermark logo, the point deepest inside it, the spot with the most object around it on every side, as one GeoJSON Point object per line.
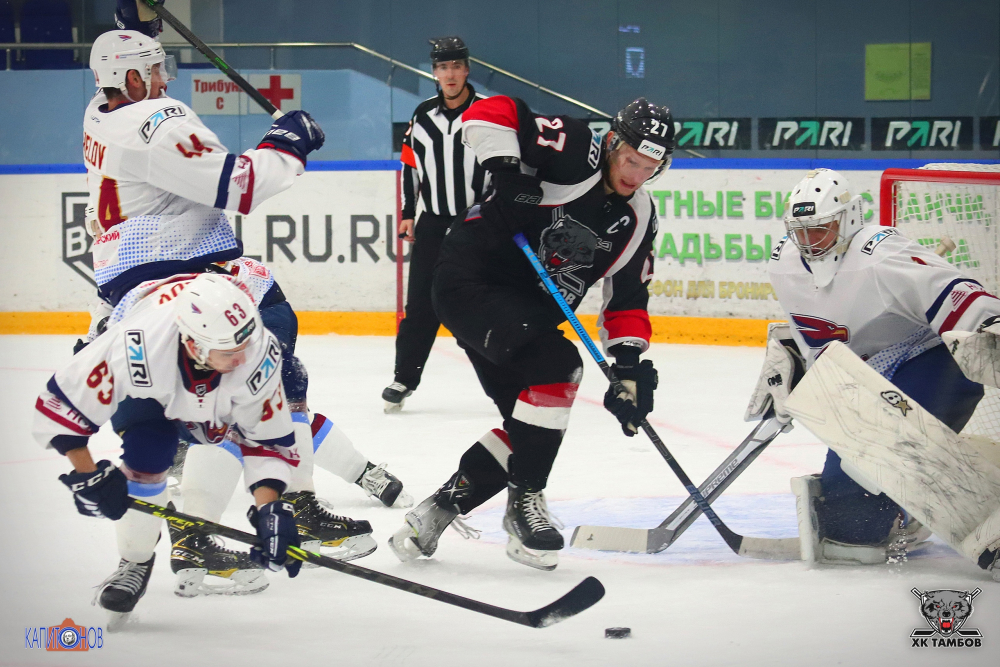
{"type": "Point", "coordinates": [67, 636]}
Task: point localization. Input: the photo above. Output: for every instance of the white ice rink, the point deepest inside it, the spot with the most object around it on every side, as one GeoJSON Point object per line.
{"type": "Point", "coordinates": [694, 604]}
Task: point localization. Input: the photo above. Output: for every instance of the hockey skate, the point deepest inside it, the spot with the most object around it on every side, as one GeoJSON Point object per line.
{"type": "Point", "coordinates": [195, 556]}
{"type": "Point", "coordinates": [533, 539]}
{"type": "Point", "coordinates": [120, 592]}
{"type": "Point", "coordinates": [344, 538]}
{"type": "Point", "coordinates": [427, 521]}
{"type": "Point", "coordinates": [906, 536]}
{"type": "Point", "coordinates": [380, 483]}
{"type": "Point", "coordinates": [394, 396]}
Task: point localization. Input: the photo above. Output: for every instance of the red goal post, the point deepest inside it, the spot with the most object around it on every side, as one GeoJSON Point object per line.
{"type": "Point", "coordinates": [955, 209]}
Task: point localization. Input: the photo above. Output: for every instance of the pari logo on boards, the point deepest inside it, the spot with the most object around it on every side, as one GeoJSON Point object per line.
{"type": "Point", "coordinates": [945, 612]}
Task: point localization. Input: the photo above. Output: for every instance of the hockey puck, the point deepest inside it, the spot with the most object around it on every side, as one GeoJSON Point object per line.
{"type": "Point", "coordinates": [617, 633]}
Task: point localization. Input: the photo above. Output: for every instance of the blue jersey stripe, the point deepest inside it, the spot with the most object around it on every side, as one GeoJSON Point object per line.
{"type": "Point", "coordinates": [222, 196]}
{"type": "Point", "coordinates": [938, 302]}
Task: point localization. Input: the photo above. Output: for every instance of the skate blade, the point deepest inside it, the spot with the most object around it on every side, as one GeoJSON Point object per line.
{"type": "Point", "coordinates": [536, 558]}
{"type": "Point", "coordinates": [191, 583]}
{"type": "Point", "coordinates": [403, 500]}
{"type": "Point", "coordinates": [117, 620]}
{"type": "Point", "coordinates": [402, 544]}
{"type": "Point", "coordinates": [391, 408]}
{"type": "Point", "coordinates": [348, 548]}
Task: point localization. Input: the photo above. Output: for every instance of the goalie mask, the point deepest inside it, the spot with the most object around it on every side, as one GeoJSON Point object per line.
{"type": "Point", "coordinates": [216, 312]}
{"type": "Point", "coordinates": [116, 52]}
{"type": "Point", "coordinates": [821, 218]}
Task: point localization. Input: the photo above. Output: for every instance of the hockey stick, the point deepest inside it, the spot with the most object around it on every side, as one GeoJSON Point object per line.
{"type": "Point", "coordinates": [583, 596]}
{"type": "Point", "coordinates": [734, 540]}
{"type": "Point", "coordinates": [223, 66]}
{"type": "Point", "coordinates": [655, 540]}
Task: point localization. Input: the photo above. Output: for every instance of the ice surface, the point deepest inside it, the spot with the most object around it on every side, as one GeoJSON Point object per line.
{"type": "Point", "coordinates": [694, 604]}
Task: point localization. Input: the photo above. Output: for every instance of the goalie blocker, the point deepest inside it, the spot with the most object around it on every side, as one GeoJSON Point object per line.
{"type": "Point", "coordinates": [948, 482]}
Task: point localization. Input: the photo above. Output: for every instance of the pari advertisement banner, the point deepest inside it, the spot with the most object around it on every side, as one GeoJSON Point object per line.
{"type": "Point", "coordinates": [330, 241]}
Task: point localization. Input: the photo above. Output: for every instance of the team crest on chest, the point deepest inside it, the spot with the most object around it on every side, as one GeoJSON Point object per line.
{"type": "Point", "coordinates": [818, 332]}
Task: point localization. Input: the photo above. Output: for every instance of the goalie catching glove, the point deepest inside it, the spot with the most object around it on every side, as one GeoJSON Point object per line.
{"type": "Point", "coordinates": [783, 368]}
{"type": "Point", "coordinates": [977, 352]}
{"type": "Point", "coordinates": [631, 398]}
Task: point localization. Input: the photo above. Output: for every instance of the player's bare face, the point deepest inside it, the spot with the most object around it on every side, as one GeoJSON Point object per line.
{"type": "Point", "coordinates": [227, 361]}
{"type": "Point", "coordinates": [627, 170]}
{"type": "Point", "coordinates": [451, 76]}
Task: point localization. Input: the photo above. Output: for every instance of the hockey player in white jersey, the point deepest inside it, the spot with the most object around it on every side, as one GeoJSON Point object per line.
{"type": "Point", "coordinates": [889, 300]}
{"type": "Point", "coordinates": [190, 232]}
{"type": "Point", "coordinates": [198, 349]}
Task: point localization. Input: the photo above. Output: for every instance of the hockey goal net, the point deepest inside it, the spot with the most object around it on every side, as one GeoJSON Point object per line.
{"type": "Point", "coordinates": [954, 209]}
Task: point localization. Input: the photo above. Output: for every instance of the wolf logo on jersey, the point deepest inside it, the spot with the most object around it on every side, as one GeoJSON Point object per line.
{"type": "Point", "coordinates": [818, 332]}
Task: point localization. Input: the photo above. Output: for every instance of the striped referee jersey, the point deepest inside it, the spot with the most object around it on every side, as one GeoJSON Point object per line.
{"type": "Point", "coordinates": [436, 164]}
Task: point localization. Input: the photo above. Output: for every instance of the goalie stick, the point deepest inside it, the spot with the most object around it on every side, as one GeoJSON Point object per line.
{"type": "Point", "coordinates": [216, 60]}
{"type": "Point", "coordinates": [583, 596]}
{"type": "Point", "coordinates": [655, 540]}
{"type": "Point", "coordinates": [733, 540]}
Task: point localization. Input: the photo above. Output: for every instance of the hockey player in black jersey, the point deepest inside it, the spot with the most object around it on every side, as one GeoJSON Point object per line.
{"type": "Point", "coordinates": [580, 202]}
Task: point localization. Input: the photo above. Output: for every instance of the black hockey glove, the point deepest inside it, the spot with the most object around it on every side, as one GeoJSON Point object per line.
{"type": "Point", "coordinates": [275, 525]}
{"type": "Point", "coordinates": [295, 133]}
{"type": "Point", "coordinates": [631, 399]}
{"type": "Point", "coordinates": [515, 198]}
{"type": "Point", "coordinates": [102, 493]}
{"type": "Point", "coordinates": [127, 18]}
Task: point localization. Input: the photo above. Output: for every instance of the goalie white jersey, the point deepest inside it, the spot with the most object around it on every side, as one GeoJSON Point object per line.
{"type": "Point", "coordinates": [890, 301]}
{"type": "Point", "coordinates": [159, 181]}
{"type": "Point", "coordinates": [141, 357]}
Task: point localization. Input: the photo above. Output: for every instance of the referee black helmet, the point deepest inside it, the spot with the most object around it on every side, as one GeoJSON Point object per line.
{"type": "Point", "coordinates": [445, 49]}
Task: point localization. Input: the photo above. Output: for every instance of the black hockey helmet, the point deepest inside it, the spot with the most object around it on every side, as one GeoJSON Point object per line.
{"type": "Point", "coordinates": [647, 128]}
{"type": "Point", "coordinates": [444, 49]}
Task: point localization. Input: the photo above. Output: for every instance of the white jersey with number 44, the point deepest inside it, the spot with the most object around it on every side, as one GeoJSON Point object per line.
{"type": "Point", "coordinates": [890, 300]}
{"type": "Point", "coordinates": [159, 181]}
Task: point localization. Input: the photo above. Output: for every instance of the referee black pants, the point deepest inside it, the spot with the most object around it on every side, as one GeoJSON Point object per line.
{"type": "Point", "coordinates": [420, 326]}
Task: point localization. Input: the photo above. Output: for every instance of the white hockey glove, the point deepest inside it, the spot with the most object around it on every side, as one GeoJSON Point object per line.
{"type": "Point", "coordinates": [783, 368]}
{"type": "Point", "coordinates": [977, 352]}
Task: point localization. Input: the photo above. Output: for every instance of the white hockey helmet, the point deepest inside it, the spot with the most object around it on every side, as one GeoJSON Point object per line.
{"type": "Point", "coordinates": [114, 53]}
{"type": "Point", "coordinates": [216, 313]}
{"type": "Point", "coordinates": [821, 218]}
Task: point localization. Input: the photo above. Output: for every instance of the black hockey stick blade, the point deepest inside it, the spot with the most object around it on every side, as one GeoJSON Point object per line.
{"type": "Point", "coordinates": [583, 596]}
{"type": "Point", "coordinates": [215, 59]}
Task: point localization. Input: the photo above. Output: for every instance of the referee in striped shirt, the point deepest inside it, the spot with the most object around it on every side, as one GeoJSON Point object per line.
{"type": "Point", "coordinates": [442, 173]}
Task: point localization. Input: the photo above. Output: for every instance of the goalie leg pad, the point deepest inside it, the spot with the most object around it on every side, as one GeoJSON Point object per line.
{"type": "Point", "coordinates": [941, 479]}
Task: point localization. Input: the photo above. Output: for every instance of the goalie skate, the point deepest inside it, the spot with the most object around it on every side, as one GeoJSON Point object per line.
{"type": "Point", "coordinates": [323, 532]}
{"type": "Point", "coordinates": [205, 567]}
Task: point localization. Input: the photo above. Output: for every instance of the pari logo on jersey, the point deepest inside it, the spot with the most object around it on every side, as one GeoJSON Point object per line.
{"type": "Point", "coordinates": [945, 612]}
{"type": "Point", "coordinates": [135, 349]}
{"type": "Point", "coordinates": [818, 332]}
{"type": "Point", "coordinates": [151, 124]}
{"type": "Point", "coordinates": [266, 368]}
{"type": "Point", "coordinates": [67, 636]}
{"type": "Point", "coordinates": [869, 246]}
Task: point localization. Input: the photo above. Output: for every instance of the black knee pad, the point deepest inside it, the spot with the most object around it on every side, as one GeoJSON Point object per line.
{"type": "Point", "coordinates": [548, 359]}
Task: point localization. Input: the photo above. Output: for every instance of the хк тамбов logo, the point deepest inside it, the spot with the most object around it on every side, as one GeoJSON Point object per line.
{"type": "Point", "coordinates": [946, 611]}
